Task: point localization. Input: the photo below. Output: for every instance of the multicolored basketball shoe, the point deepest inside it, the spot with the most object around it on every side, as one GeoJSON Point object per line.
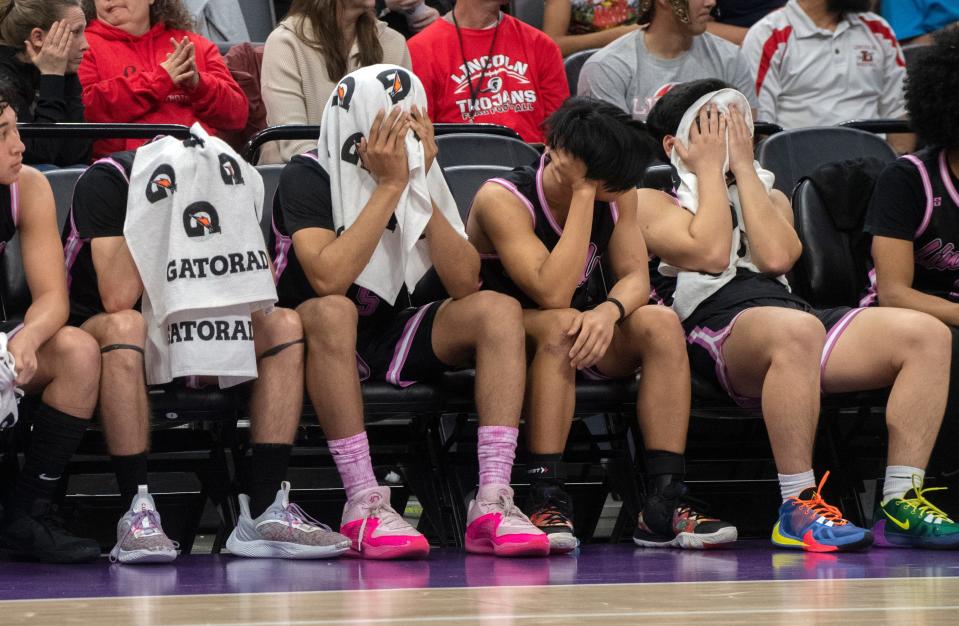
{"type": "Point", "coordinates": [808, 523]}
{"type": "Point", "coordinates": [495, 525]}
{"type": "Point", "coordinates": [671, 519]}
{"type": "Point", "coordinates": [140, 537]}
{"type": "Point", "coordinates": [377, 531]}
{"type": "Point", "coordinates": [912, 521]}
{"type": "Point", "coordinates": [552, 513]}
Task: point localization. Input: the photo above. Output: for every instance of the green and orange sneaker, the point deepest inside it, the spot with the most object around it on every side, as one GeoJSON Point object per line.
{"type": "Point", "coordinates": [912, 521]}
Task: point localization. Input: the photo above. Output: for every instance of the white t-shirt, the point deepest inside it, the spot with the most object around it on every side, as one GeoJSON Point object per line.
{"type": "Point", "coordinates": [627, 74]}
{"type": "Point", "coordinates": [809, 76]}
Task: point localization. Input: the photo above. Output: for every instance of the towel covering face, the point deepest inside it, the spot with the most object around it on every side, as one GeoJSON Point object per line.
{"type": "Point", "coordinates": [402, 255]}
{"type": "Point", "coordinates": [692, 288]}
{"type": "Point", "coordinates": [193, 229]}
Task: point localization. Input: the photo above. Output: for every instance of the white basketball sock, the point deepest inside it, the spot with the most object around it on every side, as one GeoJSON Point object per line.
{"type": "Point", "coordinates": [899, 480]}
{"type": "Point", "coordinates": [791, 485]}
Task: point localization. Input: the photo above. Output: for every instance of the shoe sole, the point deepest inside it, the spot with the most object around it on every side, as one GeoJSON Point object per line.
{"type": "Point", "coordinates": [693, 541]}
{"type": "Point", "coordinates": [562, 543]}
{"type": "Point", "coordinates": [856, 546]}
{"type": "Point", "coordinates": [145, 556]}
{"type": "Point", "coordinates": [263, 549]}
{"type": "Point", "coordinates": [884, 539]}
{"type": "Point", "coordinates": [390, 553]}
{"type": "Point", "coordinates": [485, 546]}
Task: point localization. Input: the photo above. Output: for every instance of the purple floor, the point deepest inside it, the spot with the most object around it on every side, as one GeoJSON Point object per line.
{"type": "Point", "coordinates": [203, 574]}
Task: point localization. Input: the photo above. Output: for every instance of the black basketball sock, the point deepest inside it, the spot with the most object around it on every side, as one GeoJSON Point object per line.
{"type": "Point", "coordinates": [663, 468]}
{"type": "Point", "coordinates": [267, 470]}
{"type": "Point", "coordinates": [546, 470]}
{"type": "Point", "coordinates": [54, 437]}
{"type": "Point", "coordinates": [131, 471]}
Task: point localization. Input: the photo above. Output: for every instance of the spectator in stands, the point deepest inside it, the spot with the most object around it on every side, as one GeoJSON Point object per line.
{"type": "Point", "coordinates": [41, 357]}
{"type": "Point", "coordinates": [480, 65]}
{"type": "Point", "coordinates": [536, 228]}
{"type": "Point", "coordinates": [822, 62]}
{"type": "Point", "coordinates": [732, 18]}
{"type": "Point", "coordinates": [105, 291]}
{"type": "Point", "coordinates": [673, 47]}
{"type": "Point", "coordinates": [145, 66]}
{"type": "Point", "coordinates": [750, 335]}
{"type": "Point", "coordinates": [318, 43]}
{"type": "Point", "coordinates": [914, 210]}
{"type": "Point", "coordinates": [411, 16]}
{"type": "Point", "coordinates": [586, 24]}
{"type": "Point", "coordinates": [335, 227]}
{"type": "Point", "coordinates": [914, 21]}
{"type": "Point", "coordinates": [219, 20]}
{"type": "Point", "coordinates": [42, 45]}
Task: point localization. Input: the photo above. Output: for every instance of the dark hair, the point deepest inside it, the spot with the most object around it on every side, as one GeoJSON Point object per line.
{"type": "Point", "coordinates": [615, 148]}
{"type": "Point", "coordinates": [668, 112]}
{"type": "Point", "coordinates": [19, 18]}
{"type": "Point", "coordinates": [173, 13]}
{"type": "Point", "coordinates": [8, 94]}
{"type": "Point", "coordinates": [931, 88]}
{"type": "Point", "coordinates": [327, 39]}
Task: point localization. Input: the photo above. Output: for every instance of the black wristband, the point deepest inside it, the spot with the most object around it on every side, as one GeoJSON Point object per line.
{"type": "Point", "coordinates": [619, 305]}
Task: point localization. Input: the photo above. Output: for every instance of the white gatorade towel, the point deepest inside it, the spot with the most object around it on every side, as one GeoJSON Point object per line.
{"type": "Point", "coordinates": [193, 229]}
{"type": "Point", "coordinates": [401, 256]}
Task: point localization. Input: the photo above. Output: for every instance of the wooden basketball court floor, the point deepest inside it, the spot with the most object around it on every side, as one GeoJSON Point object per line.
{"type": "Point", "coordinates": [602, 584]}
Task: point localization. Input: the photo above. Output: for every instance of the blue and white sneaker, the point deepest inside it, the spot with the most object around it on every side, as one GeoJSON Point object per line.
{"type": "Point", "coordinates": [808, 523]}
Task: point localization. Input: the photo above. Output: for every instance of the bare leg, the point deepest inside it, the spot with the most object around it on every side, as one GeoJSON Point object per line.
{"type": "Point", "coordinates": [551, 393]}
{"type": "Point", "coordinates": [774, 353]}
{"type": "Point", "coordinates": [124, 409]}
{"type": "Point", "coordinates": [910, 351]}
{"type": "Point", "coordinates": [331, 378]}
{"type": "Point", "coordinates": [488, 326]}
{"type": "Point", "coordinates": [652, 336]}
{"type": "Point", "coordinates": [277, 398]}
{"type": "Point", "coordinates": [68, 372]}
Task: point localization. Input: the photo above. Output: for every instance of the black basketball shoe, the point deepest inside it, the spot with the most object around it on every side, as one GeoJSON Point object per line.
{"type": "Point", "coordinates": [670, 519]}
{"type": "Point", "coordinates": [39, 535]}
{"type": "Point", "coordinates": [551, 511]}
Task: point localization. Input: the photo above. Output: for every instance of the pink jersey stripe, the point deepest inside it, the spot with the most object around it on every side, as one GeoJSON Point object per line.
{"type": "Point", "coordinates": [927, 187]}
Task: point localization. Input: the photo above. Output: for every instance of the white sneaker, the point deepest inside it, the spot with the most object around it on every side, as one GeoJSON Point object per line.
{"type": "Point", "coordinates": [140, 537]}
{"type": "Point", "coordinates": [283, 531]}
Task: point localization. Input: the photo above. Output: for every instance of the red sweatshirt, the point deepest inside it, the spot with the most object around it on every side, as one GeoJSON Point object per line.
{"type": "Point", "coordinates": [524, 80]}
{"type": "Point", "coordinates": [123, 82]}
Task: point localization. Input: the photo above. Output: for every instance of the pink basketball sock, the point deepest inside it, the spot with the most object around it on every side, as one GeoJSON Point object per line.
{"type": "Point", "coordinates": [352, 458]}
{"type": "Point", "coordinates": [496, 452]}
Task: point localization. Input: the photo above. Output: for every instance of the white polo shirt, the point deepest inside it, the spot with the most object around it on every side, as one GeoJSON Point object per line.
{"type": "Point", "coordinates": [810, 76]}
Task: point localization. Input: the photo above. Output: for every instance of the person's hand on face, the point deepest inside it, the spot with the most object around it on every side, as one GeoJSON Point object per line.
{"type": "Point", "coordinates": [53, 56]}
{"type": "Point", "coordinates": [423, 127]}
{"type": "Point", "coordinates": [383, 152]}
{"type": "Point", "coordinates": [571, 171]}
{"type": "Point", "coordinates": [740, 141]}
{"type": "Point", "coordinates": [707, 142]}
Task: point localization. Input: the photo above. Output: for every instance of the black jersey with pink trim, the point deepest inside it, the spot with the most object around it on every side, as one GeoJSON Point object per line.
{"type": "Point", "coordinates": [526, 183]}
{"type": "Point", "coordinates": [303, 200]}
{"type": "Point", "coordinates": [99, 209]}
{"type": "Point", "coordinates": [9, 213]}
{"type": "Point", "coordinates": [917, 199]}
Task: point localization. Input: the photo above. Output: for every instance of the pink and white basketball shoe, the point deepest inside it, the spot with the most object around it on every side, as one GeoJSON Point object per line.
{"type": "Point", "coordinates": [377, 531]}
{"type": "Point", "coordinates": [496, 526]}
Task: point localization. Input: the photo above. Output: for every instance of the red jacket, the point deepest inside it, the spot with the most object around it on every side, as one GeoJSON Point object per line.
{"type": "Point", "coordinates": [123, 82]}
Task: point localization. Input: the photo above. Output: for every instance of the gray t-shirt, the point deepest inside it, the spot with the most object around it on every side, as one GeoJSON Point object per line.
{"type": "Point", "coordinates": [628, 75]}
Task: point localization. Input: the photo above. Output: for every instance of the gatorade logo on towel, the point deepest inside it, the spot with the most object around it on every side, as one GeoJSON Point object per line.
{"type": "Point", "coordinates": [397, 84]}
{"type": "Point", "coordinates": [201, 220]}
{"type": "Point", "coordinates": [162, 184]}
{"type": "Point", "coordinates": [230, 170]}
{"type": "Point", "coordinates": [344, 93]}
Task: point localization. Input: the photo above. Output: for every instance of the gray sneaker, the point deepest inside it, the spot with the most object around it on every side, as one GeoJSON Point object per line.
{"type": "Point", "coordinates": [283, 531]}
{"type": "Point", "coordinates": [140, 537]}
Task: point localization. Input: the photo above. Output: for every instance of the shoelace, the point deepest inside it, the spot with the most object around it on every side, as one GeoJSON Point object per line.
{"type": "Point", "coordinates": [137, 521]}
{"type": "Point", "coordinates": [923, 506]}
{"type": "Point", "coordinates": [293, 513]}
{"type": "Point", "coordinates": [510, 510]}
{"type": "Point", "coordinates": [551, 515]}
{"type": "Point", "coordinates": [389, 519]}
{"type": "Point", "coordinates": [817, 505]}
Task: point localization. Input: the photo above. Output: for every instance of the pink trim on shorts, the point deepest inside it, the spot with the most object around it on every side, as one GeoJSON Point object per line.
{"type": "Point", "coordinates": [281, 251]}
{"type": "Point", "coordinates": [872, 292]}
{"type": "Point", "coordinates": [362, 369]}
{"type": "Point", "coordinates": [832, 338]}
{"type": "Point", "coordinates": [13, 331]}
{"type": "Point", "coordinates": [713, 342]}
{"type": "Point", "coordinates": [927, 187]}
{"type": "Point", "coordinates": [403, 346]}
{"type": "Point", "coordinates": [511, 187]}
{"type": "Point", "coordinates": [614, 211]}
{"type": "Point", "coordinates": [947, 178]}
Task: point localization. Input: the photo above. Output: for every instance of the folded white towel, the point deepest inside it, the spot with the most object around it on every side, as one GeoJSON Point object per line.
{"type": "Point", "coordinates": [401, 256]}
{"type": "Point", "coordinates": [10, 394]}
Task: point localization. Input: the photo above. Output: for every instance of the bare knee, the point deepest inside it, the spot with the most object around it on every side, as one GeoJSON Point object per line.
{"type": "Point", "coordinates": [799, 338]}
{"type": "Point", "coordinates": [924, 339]}
{"type": "Point", "coordinates": [657, 330]}
{"type": "Point", "coordinates": [280, 326]}
{"type": "Point", "coordinates": [551, 332]}
{"type": "Point", "coordinates": [329, 321]}
{"type": "Point", "coordinates": [499, 317]}
{"type": "Point", "coordinates": [122, 327]}
{"type": "Point", "coordinates": [76, 356]}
